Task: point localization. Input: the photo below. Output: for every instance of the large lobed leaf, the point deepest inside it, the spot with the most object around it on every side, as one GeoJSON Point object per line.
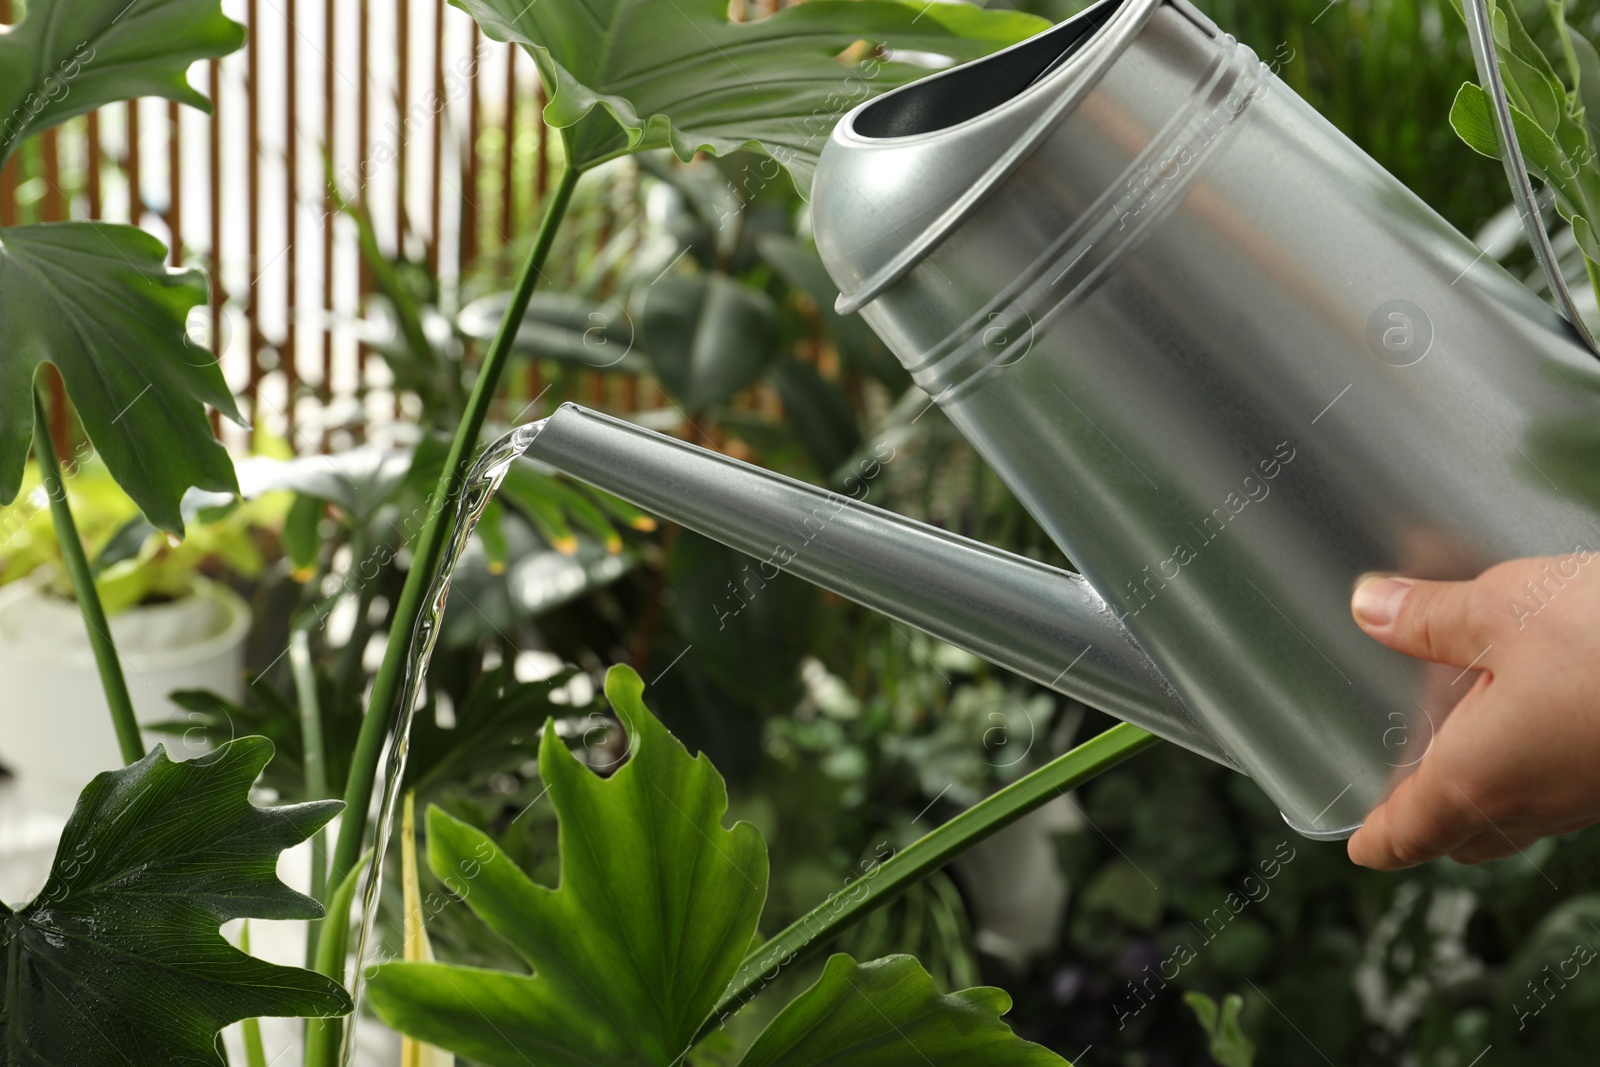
{"type": "Point", "coordinates": [627, 75]}
{"type": "Point", "coordinates": [708, 336]}
{"type": "Point", "coordinates": [98, 302]}
{"type": "Point", "coordinates": [887, 1013]}
{"type": "Point", "coordinates": [119, 960]}
{"type": "Point", "coordinates": [656, 905]}
{"type": "Point", "coordinates": [67, 57]}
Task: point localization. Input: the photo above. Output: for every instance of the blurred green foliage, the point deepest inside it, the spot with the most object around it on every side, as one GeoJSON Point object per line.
{"type": "Point", "coordinates": [133, 563]}
{"type": "Point", "coordinates": [1385, 72]}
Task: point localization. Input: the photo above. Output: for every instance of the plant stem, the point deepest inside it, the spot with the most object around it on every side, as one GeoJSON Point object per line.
{"type": "Point", "coordinates": [922, 857]}
{"type": "Point", "coordinates": [382, 708]}
{"type": "Point", "coordinates": [315, 763]}
{"type": "Point", "coordinates": [325, 1037]}
{"type": "Point", "coordinates": [94, 617]}
{"type": "Point", "coordinates": [1557, 12]}
{"type": "Point", "coordinates": [347, 666]}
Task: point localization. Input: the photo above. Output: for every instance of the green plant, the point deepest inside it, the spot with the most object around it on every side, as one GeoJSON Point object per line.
{"type": "Point", "coordinates": [120, 954]}
{"type": "Point", "coordinates": [132, 562]}
{"type": "Point", "coordinates": [158, 855]}
{"type": "Point", "coordinates": [1551, 115]}
{"type": "Point", "coordinates": [639, 953]}
{"type": "Point", "coordinates": [1229, 1045]}
{"type": "Point", "coordinates": [750, 303]}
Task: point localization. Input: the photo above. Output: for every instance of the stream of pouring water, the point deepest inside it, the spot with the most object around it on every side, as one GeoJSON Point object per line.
{"type": "Point", "coordinates": [476, 492]}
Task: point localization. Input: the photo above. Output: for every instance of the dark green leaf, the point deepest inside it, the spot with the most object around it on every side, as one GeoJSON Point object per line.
{"type": "Point", "coordinates": [301, 539]}
{"type": "Point", "coordinates": [563, 327]}
{"type": "Point", "coordinates": [99, 302]}
{"type": "Point", "coordinates": [66, 58]}
{"type": "Point", "coordinates": [627, 75]}
{"type": "Point", "coordinates": [496, 728]}
{"type": "Point", "coordinates": [119, 959]}
{"type": "Point", "coordinates": [124, 544]}
{"type": "Point", "coordinates": [708, 336]}
{"type": "Point", "coordinates": [656, 904]}
{"type": "Point", "coordinates": [862, 349]}
{"type": "Point", "coordinates": [819, 412]}
{"type": "Point", "coordinates": [887, 1013]}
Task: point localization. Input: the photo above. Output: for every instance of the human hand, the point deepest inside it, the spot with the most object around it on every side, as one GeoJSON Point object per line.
{"type": "Point", "coordinates": [1519, 757]}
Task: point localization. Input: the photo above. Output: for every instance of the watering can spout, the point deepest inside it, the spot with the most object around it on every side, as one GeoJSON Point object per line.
{"type": "Point", "coordinates": [1044, 623]}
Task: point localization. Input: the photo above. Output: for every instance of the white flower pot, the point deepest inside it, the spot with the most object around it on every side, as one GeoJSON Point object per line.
{"type": "Point", "coordinates": [55, 728]}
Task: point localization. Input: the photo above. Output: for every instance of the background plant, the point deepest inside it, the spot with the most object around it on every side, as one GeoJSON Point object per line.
{"type": "Point", "coordinates": [631, 952]}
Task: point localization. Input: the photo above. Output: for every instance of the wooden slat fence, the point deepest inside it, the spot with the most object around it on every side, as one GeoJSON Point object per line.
{"type": "Point", "coordinates": [426, 124]}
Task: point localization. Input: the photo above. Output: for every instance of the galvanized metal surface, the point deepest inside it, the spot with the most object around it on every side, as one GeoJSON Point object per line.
{"type": "Point", "coordinates": [1046, 624]}
{"type": "Point", "coordinates": [1226, 360]}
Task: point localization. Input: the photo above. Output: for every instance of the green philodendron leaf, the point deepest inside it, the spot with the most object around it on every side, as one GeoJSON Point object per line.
{"type": "Point", "coordinates": [802, 268]}
{"type": "Point", "coordinates": [68, 57]}
{"type": "Point", "coordinates": [627, 75]}
{"type": "Point", "coordinates": [99, 302]}
{"type": "Point", "coordinates": [656, 905]}
{"type": "Point", "coordinates": [119, 960]}
{"type": "Point", "coordinates": [888, 1013]}
{"type": "Point", "coordinates": [563, 327]}
{"type": "Point", "coordinates": [820, 412]}
{"type": "Point", "coordinates": [708, 336]}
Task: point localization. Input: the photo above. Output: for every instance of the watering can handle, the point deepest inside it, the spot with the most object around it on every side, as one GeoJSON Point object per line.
{"type": "Point", "coordinates": [1484, 53]}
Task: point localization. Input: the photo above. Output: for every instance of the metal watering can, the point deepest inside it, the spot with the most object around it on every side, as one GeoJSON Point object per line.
{"type": "Point", "coordinates": [1227, 361]}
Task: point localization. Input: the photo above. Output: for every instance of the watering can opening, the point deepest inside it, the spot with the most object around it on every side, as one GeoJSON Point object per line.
{"type": "Point", "coordinates": [970, 90]}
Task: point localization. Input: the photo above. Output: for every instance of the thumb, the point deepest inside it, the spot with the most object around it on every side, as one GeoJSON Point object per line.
{"type": "Point", "coordinates": [1447, 622]}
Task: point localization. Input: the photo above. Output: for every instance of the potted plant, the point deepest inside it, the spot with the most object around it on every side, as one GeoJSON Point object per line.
{"type": "Point", "coordinates": [176, 623]}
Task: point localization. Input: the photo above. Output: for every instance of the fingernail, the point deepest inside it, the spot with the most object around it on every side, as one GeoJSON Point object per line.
{"type": "Point", "coordinates": [1377, 601]}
